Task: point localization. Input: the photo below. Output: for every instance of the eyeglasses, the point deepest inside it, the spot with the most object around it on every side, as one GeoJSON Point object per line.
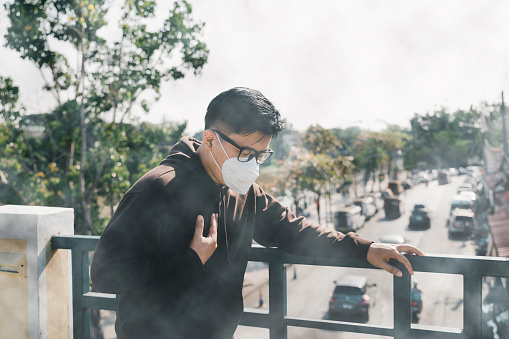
{"type": "Point", "coordinates": [246, 153]}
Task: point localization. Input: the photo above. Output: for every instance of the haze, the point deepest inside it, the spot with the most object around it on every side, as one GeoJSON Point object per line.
{"type": "Point", "coordinates": [332, 63]}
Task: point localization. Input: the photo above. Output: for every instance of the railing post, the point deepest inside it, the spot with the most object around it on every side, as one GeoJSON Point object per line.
{"type": "Point", "coordinates": [472, 310]}
{"type": "Point", "coordinates": [80, 285]}
{"type": "Point", "coordinates": [402, 310]}
{"type": "Point", "coordinates": [277, 300]}
{"type": "Point", "coordinates": [35, 279]}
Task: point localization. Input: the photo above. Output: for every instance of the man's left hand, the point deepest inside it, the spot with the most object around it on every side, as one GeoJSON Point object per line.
{"type": "Point", "coordinates": [379, 255]}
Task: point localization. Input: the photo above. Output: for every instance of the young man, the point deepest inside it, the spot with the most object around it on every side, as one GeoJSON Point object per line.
{"type": "Point", "coordinates": [176, 249]}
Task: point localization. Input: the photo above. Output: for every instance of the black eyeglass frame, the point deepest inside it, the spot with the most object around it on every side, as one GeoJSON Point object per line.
{"type": "Point", "coordinates": [241, 149]}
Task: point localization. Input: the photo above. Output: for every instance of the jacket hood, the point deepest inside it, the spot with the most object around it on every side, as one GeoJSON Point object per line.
{"type": "Point", "coordinates": [185, 154]}
{"type": "Point", "coordinates": [186, 148]}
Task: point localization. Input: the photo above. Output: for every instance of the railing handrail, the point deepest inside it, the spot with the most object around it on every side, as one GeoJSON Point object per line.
{"type": "Point", "coordinates": [472, 268]}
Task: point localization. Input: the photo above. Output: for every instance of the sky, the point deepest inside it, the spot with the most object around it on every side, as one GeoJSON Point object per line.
{"type": "Point", "coordinates": [330, 62]}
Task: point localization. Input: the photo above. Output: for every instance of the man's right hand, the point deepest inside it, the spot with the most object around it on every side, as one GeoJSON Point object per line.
{"type": "Point", "coordinates": [205, 246]}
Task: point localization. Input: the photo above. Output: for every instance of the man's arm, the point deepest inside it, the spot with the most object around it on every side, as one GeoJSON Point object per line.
{"type": "Point", "coordinates": [277, 226]}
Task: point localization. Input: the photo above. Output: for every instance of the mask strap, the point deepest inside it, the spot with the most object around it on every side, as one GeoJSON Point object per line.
{"type": "Point", "coordinates": [220, 143]}
{"type": "Point", "coordinates": [215, 161]}
{"type": "Point", "coordinates": [223, 151]}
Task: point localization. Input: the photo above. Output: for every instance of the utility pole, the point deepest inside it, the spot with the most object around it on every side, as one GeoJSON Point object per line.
{"type": "Point", "coordinates": [504, 126]}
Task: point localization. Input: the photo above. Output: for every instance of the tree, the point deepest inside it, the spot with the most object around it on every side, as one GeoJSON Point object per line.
{"type": "Point", "coordinates": [444, 139]}
{"type": "Point", "coordinates": [371, 155]}
{"type": "Point", "coordinates": [316, 166]}
{"type": "Point", "coordinates": [96, 92]}
{"type": "Point", "coordinates": [35, 170]}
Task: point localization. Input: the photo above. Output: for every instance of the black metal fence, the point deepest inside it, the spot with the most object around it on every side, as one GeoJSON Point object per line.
{"type": "Point", "coordinates": [473, 269]}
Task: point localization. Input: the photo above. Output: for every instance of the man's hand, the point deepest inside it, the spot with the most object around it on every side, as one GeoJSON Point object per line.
{"type": "Point", "coordinates": [379, 255]}
{"type": "Point", "coordinates": [205, 246]}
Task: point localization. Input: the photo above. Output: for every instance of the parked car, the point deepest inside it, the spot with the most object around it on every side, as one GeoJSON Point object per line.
{"type": "Point", "coordinates": [462, 221]}
{"type": "Point", "coordinates": [407, 184]}
{"type": "Point", "coordinates": [470, 195]}
{"type": "Point", "coordinates": [376, 201]}
{"type": "Point", "coordinates": [461, 202]}
{"type": "Point", "coordinates": [419, 217]}
{"type": "Point", "coordinates": [350, 297]}
{"type": "Point", "coordinates": [386, 193]}
{"type": "Point", "coordinates": [397, 239]}
{"type": "Point", "coordinates": [420, 178]}
{"type": "Point", "coordinates": [453, 171]}
{"type": "Point", "coordinates": [349, 219]}
{"type": "Point", "coordinates": [368, 209]}
{"type": "Point", "coordinates": [465, 187]}
{"type": "Point", "coordinates": [393, 207]}
{"type": "Point", "coordinates": [396, 187]}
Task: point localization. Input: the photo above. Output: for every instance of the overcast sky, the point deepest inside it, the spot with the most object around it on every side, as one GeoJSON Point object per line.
{"type": "Point", "coordinates": [332, 63]}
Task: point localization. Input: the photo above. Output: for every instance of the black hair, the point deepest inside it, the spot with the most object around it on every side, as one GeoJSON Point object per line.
{"type": "Point", "coordinates": [243, 111]}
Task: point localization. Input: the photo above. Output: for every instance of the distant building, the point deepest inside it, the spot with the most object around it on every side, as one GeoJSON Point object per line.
{"type": "Point", "coordinates": [35, 131]}
{"type": "Point", "coordinates": [493, 157]}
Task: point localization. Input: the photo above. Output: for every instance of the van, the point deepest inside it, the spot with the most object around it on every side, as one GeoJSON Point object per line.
{"type": "Point", "coordinates": [461, 202]}
{"type": "Point", "coordinates": [349, 219]}
{"type": "Point", "coordinates": [368, 208]}
{"type": "Point", "coordinates": [393, 208]}
{"type": "Point", "coordinates": [396, 187]}
{"type": "Point", "coordinates": [443, 178]}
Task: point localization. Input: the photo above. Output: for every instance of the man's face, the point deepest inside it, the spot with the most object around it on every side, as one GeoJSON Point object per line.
{"type": "Point", "coordinates": [254, 144]}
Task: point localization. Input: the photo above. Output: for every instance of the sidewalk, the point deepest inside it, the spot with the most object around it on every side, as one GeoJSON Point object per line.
{"type": "Point", "coordinates": [255, 278]}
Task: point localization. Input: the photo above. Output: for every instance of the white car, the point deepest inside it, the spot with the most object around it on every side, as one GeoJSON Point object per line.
{"type": "Point", "coordinates": [465, 187]}
{"type": "Point", "coordinates": [393, 239]}
{"type": "Point", "coordinates": [461, 202]}
{"type": "Point", "coordinates": [469, 194]}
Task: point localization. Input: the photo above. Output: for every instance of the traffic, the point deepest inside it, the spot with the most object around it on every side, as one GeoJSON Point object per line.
{"type": "Point", "coordinates": [422, 217]}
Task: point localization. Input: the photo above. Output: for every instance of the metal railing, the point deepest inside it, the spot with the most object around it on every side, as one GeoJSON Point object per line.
{"type": "Point", "coordinates": [473, 269]}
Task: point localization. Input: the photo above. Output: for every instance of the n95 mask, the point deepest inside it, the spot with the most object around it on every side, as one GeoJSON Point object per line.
{"type": "Point", "coordinates": [238, 176]}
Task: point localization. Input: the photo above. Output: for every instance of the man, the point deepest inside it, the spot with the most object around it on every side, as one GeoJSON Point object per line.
{"type": "Point", "coordinates": [176, 249]}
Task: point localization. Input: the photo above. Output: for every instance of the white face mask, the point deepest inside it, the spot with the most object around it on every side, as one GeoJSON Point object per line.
{"type": "Point", "coordinates": [238, 176]}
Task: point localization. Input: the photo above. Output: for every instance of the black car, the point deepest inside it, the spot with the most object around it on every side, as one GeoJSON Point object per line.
{"type": "Point", "coordinates": [420, 217]}
{"type": "Point", "coordinates": [407, 184]}
{"type": "Point", "coordinates": [350, 297]}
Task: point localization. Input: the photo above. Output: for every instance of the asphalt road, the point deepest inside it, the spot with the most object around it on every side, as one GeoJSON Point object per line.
{"type": "Point", "coordinates": [308, 294]}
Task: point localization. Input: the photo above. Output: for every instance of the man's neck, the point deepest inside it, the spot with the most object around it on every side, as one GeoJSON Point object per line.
{"type": "Point", "coordinates": [207, 163]}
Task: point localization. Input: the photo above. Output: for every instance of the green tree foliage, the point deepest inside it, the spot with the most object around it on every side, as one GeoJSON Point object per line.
{"type": "Point", "coordinates": [280, 145]}
{"type": "Point", "coordinates": [317, 165]}
{"type": "Point", "coordinates": [370, 154]}
{"type": "Point", "coordinates": [371, 151]}
{"type": "Point", "coordinates": [89, 150]}
{"type": "Point", "coordinates": [443, 139]}
{"type": "Point", "coordinates": [348, 137]}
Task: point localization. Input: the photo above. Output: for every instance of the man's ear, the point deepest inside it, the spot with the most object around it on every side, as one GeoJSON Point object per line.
{"type": "Point", "coordinates": [208, 139]}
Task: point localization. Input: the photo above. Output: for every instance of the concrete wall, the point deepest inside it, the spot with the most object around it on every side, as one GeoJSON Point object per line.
{"type": "Point", "coordinates": [35, 298]}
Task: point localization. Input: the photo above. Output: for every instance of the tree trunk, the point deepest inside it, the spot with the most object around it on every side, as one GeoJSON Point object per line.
{"type": "Point", "coordinates": [317, 201]}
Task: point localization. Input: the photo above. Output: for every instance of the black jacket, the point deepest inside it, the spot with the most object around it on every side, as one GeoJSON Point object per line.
{"type": "Point", "coordinates": [164, 290]}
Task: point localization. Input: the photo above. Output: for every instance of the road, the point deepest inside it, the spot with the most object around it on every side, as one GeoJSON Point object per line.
{"type": "Point", "coordinates": [308, 294]}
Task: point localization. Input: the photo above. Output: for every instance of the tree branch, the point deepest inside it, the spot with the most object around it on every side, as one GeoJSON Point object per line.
{"type": "Point", "coordinates": [4, 180]}
{"type": "Point", "coordinates": [98, 175]}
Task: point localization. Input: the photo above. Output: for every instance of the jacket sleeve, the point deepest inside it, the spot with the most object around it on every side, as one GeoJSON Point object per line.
{"type": "Point", "coordinates": [130, 258]}
{"type": "Point", "coordinates": [277, 226]}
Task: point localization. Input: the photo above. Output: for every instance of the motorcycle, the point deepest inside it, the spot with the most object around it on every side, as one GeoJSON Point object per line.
{"type": "Point", "coordinates": [416, 304]}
